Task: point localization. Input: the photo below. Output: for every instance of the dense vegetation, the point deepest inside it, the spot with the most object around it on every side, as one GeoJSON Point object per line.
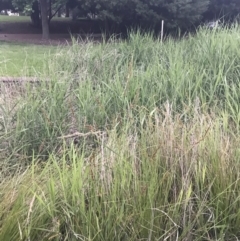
{"type": "Point", "coordinates": [125, 14]}
{"type": "Point", "coordinates": [130, 140]}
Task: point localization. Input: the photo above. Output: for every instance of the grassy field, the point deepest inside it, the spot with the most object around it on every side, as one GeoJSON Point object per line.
{"type": "Point", "coordinates": [14, 19]}
{"type": "Point", "coordinates": [24, 60]}
{"type": "Point", "coordinates": [130, 140]}
{"type": "Point", "coordinates": [5, 18]}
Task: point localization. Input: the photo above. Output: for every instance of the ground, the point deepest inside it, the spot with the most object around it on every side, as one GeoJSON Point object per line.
{"type": "Point", "coordinates": [20, 29]}
{"type": "Point", "coordinates": [19, 39]}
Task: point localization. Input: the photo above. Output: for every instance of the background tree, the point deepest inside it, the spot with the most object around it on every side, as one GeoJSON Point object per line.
{"type": "Point", "coordinates": [42, 11]}
{"type": "Point", "coordinates": [6, 4]}
{"type": "Point", "coordinates": [147, 13]}
{"type": "Point", "coordinates": [35, 14]}
{"type": "Point", "coordinates": [223, 9]}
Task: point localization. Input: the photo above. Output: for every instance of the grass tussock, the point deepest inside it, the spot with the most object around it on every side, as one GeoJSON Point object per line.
{"type": "Point", "coordinates": [126, 140]}
{"type": "Point", "coordinates": [174, 181]}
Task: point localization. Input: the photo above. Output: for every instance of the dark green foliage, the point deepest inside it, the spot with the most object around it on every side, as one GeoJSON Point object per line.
{"type": "Point", "coordinates": [136, 13]}
{"type": "Point", "coordinates": [148, 13]}
{"type": "Point", "coordinates": [226, 9]}
{"type": "Point", "coordinates": [184, 13]}
{"type": "Point", "coordinates": [6, 4]}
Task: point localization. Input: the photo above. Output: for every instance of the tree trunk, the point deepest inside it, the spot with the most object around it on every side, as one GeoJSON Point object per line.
{"type": "Point", "coordinates": [50, 11]}
{"type": "Point", "coordinates": [35, 16]}
{"type": "Point", "coordinates": [67, 11]}
{"type": "Point", "coordinates": [44, 14]}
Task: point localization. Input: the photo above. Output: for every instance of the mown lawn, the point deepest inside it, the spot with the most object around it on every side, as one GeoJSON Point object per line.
{"type": "Point", "coordinates": [23, 59]}
{"type": "Point", "coordinates": [5, 18]}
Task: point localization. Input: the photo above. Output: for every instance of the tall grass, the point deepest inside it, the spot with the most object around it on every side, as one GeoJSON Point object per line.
{"type": "Point", "coordinates": [127, 140]}
{"type": "Point", "coordinates": [174, 182]}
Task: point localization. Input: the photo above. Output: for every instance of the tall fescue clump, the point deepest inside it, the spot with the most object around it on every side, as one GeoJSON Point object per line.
{"type": "Point", "coordinates": [128, 140]}
{"type": "Point", "coordinates": [175, 181]}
